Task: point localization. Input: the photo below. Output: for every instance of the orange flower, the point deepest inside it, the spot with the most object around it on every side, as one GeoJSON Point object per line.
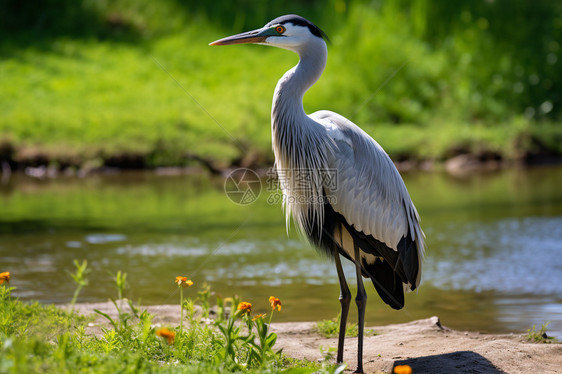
{"type": "Point", "coordinates": [184, 282]}
{"type": "Point", "coordinates": [5, 276]}
{"type": "Point", "coordinates": [402, 369]}
{"type": "Point", "coordinates": [258, 317]}
{"type": "Point", "coordinates": [275, 302]}
{"type": "Point", "coordinates": [244, 306]}
{"type": "Point", "coordinates": [168, 334]}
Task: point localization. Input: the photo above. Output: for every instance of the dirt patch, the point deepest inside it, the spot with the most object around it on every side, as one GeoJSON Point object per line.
{"type": "Point", "coordinates": [428, 347]}
{"type": "Point", "coordinates": [425, 345]}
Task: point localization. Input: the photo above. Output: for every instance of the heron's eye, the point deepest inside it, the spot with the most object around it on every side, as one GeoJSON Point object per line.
{"type": "Point", "coordinates": [280, 29]}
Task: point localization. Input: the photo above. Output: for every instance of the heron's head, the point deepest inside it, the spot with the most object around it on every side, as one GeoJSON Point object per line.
{"type": "Point", "coordinates": [290, 32]}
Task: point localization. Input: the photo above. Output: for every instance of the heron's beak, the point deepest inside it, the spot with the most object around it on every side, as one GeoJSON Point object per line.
{"type": "Point", "coordinates": [254, 36]}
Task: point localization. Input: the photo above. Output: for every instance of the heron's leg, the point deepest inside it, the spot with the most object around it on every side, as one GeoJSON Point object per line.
{"type": "Point", "coordinates": [345, 299]}
{"type": "Point", "coordinates": [361, 300]}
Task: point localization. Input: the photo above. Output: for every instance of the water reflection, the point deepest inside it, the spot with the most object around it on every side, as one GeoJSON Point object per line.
{"type": "Point", "coordinates": [494, 261]}
{"type": "Point", "coordinates": [520, 255]}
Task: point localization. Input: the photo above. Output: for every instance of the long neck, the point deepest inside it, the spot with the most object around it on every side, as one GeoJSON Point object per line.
{"type": "Point", "coordinates": [287, 100]}
{"type": "Point", "coordinates": [297, 140]}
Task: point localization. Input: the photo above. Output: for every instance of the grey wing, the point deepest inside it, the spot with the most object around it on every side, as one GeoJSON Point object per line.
{"type": "Point", "coordinates": [367, 190]}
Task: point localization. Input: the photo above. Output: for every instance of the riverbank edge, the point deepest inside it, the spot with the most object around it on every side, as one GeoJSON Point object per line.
{"type": "Point", "coordinates": [460, 165]}
{"type": "Point", "coordinates": [43, 161]}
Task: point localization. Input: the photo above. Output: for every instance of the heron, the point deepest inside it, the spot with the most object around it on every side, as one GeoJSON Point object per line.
{"type": "Point", "coordinates": [340, 187]}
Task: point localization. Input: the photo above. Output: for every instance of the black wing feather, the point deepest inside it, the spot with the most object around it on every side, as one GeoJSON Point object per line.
{"type": "Point", "coordinates": [387, 283]}
{"type": "Point", "coordinates": [391, 268]}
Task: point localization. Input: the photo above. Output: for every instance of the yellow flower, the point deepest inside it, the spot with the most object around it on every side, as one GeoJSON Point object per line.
{"type": "Point", "coordinates": [184, 282]}
{"type": "Point", "coordinates": [5, 276]}
{"type": "Point", "coordinates": [245, 307]}
{"type": "Point", "coordinates": [275, 302]}
{"type": "Point", "coordinates": [259, 316]}
{"type": "Point", "coordinates": [402, 369]}
{"type": "Point", "coordinates": [168, 334]}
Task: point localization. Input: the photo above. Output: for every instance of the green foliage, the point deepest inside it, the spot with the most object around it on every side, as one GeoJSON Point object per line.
{"type": "Point", "coordinates": [121, 325]}
{"type": "Point", "coordinates": [539, 336]}
{"type": "Point", "coordinates": [43, 338]}
{"type": "Point", "coordinates": [330, 328]}
{"type": "Point", "coordinates": [327, 359]}
{"type": "Point", "coordinates": [120, 280]}
{"type": "Point", "coordinates": [29, 320]}
{"type": "Point", "coordinates": [203, 297]}
{"type": "Point", "coordinates": [79, 277]}
{"type": "Point", "coordinates": [512, 64]}
{"type": "Point", "coordinates": [134, 83]}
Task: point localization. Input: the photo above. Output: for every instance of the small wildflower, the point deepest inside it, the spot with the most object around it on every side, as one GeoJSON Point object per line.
{"type": "Point", "coordinates": [275, 302]}
{"type": "Point", "coordinates": [5, 276]}
{"type": "Point", "coordinates": [168, 334]}
{"type": "Point", "coordinates": [402, 369]}
{"type": "Point", "coordinates": [259, 316]}
{"type": "Point", "coordinates": [244, 306]}
{"type": "Point", "coordinates": [184, 282]}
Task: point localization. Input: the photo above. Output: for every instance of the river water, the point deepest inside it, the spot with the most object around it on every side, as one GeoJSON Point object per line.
{"type": "Point", "coordinates": [493, 264]}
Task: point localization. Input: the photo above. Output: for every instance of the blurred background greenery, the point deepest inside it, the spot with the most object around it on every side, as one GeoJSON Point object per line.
{"type": "Point", "coordinates": [88, 83]}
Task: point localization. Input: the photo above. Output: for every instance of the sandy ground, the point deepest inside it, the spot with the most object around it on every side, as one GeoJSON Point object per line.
{"type": "Point", "coordinates": [425, 345]}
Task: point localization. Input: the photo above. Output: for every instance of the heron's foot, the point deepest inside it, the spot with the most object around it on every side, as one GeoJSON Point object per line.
{"type": "Point", "coordinates": [359, 370]}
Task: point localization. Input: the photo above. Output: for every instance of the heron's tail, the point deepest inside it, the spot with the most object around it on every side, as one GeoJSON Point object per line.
{"type": "Point", "coordinates": [387, 282]}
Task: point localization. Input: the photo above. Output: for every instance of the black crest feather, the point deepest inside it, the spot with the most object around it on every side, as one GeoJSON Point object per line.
{"type": "Point", "coordinates": [300, 21]}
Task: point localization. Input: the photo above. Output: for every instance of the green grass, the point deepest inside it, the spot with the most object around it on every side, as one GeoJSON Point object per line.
{"type": "Point", "coordinates": [43, 338]}
{"type": "Point", "coordinates": [539, 336]}
{"type": "Point", "coordinates": [329, 328]}
{"type": "Point", "coordinates": [137, 81]}
{"type": "Point", "coordinates": [110, 100]}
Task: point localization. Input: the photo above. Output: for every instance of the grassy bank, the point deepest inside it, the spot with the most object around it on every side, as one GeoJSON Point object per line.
{"type": "Point", "coordinates": [134, 84]}
{"type": "Point", "coordinates": [37, 338]}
